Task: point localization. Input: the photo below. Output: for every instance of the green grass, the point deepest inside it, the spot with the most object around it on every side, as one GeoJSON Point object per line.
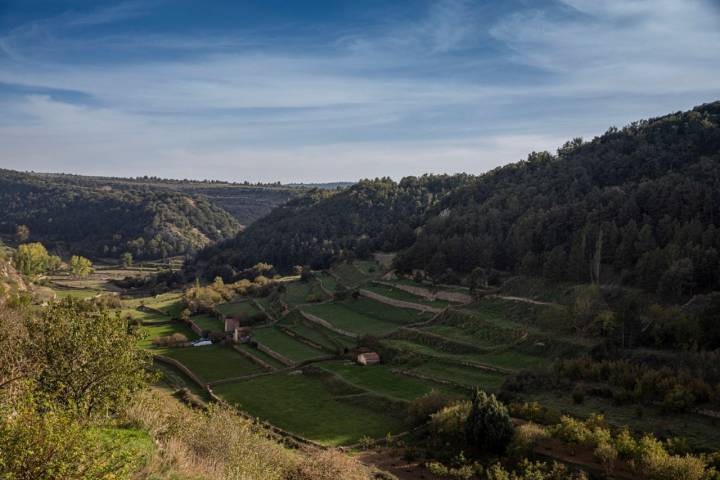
{"type": "Point", "coordinates": [349, 275]}
{"type": "Point", "coordinates": [300, 292]}
{"type": "Point", "coordinates": [339, 315]}
{"type": "Point", "coordinates": [470, 377]}
{"type": "Point", "coordinates": [237, 308]}
{"type": "Point", "coordinates": [151, 332]}
{"type": "Point", "coordinates": [385, 312]}
{"type": "Point", "coordinates": [365, 316]}
{"type": "Point", "coordinates": [136, 443]}
{"type": "Point", "coordinates": [379, 379]}
{"type": "Point", "coordinates": [207, 322]}
{"type": "Point", "coordinates": [512, 359]}
{"type": "Point", "coordinates": [398, 294]}
{"type": "Point", "coordinates": [145, 317]}
{"type": "Point", "coordinates": [261, 355]}
{"type": "Point", "coordinates": [313, 406]}
{"type": "Point", "coordinates": [213, 362]}
{"type": "Point", "coordinates": [295, 322]}
{"type": "Point", "coordinates": [328, 281]}
{"type": "Point", "coordinates": [285, 345]}
{"type": "Point", "coordinates": [75, 293]}
{"type": "Point", "coordinates": [172, 306]}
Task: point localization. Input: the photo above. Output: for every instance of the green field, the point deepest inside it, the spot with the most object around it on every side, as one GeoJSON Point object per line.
{"type": "Point", "coordinates": [398, 294]}
{"type": "Point", "coordinates": [340, 316]}
{"type": "Point", "coordinates": [213, 362]}
{"type": "Point", "coordinates": [349, 275]}
{"type": "Point", "coordinates": [300, 292]}
{"type": "Point", "coordinates": [237, 308]}
{"type": "Point", "coordinates": [151, 332]}
{"type": "Point", "coordinates": [328, 281]}
{"type": "Point", "coordinates": [467, 376]}
{"type": "Point", "coordinates": [316, 333]}
{"type": "Point", "coordinates": [314, 406]}
{"type": "Point", "coordinates": [285, 345]}
{"type": "Point", "coordinates": [260, 355]}
{"type": "Point", "coordinates": [378, 378]}
{"type": "Point", "coordinates": [365, 316]}
{"type": "Point", "coordinates": [171, 306]}
{"type": "Point", "coordinates": [63, 293]}
{"type": "Point", "coordinates": [209, 323]}
{"type": "Point", "coordinates": [145, 317]}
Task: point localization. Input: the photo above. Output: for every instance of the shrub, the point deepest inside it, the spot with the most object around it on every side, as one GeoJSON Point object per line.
{"type": "Point", "coordinates": [49, 444]}
{"type": "Point", "coordinates": [448, 425]}
{"type": "Point", "coordinates": [525, 439]}
{"type": "Point", "coordinates": [421, 408]}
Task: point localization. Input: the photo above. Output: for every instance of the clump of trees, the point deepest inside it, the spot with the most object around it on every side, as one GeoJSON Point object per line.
{"type": "Point", "coordinates": [33, 259]}
{"type": "Point", "coordinates": [80, 266]}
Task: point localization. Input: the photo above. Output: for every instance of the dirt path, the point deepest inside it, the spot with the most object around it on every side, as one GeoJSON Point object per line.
{"type": "Point", "coordinates": [525, 300]}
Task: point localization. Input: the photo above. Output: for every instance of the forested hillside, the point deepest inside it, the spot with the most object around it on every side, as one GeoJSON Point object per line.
{"type": "Point", "coordinates": [636, 205]}
{"type": "Point", "coordinates": [320, 227]}
{"type": "Point", "coordinates": [245, 201]}
{"type": "Point", "coordinates": [107, 222]}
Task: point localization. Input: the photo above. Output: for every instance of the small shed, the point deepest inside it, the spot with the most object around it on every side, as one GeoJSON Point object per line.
{"type": "Point", "coordinates": [368, 358]}
{"type": "Point", "coordinates": [234, 332]}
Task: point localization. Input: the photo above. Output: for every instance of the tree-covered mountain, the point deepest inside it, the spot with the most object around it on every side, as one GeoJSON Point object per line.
{"type": "Point", "coordinates": [102, 221]}
{"type": "Point", "coordinates": [245, 201]}
{"type": "Point", "coordinates": [638, 205]}
{"type": "Point", "coordinates": [323, 226]}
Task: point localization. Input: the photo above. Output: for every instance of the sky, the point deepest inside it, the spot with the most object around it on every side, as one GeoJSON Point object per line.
{"type": "Point", "coordinates": [319, 90]}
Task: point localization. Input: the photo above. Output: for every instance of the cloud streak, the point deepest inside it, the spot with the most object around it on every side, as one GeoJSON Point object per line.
{"type": "Point", "coordinates": [462, 87]}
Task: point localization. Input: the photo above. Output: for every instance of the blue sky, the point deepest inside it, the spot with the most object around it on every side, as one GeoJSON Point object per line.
{"type": "Point", "coordinates": [336, 90]}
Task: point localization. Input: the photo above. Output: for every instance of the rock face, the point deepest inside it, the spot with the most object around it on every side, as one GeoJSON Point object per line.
{"type": "Point", "coordinates": [10, 281]}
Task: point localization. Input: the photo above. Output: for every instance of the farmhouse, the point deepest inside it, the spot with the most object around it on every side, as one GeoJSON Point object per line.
{"type": "Point", "coordinates": [368, 358]}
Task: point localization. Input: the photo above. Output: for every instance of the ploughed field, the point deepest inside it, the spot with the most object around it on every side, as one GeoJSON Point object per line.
{"type": "Point", "coordinates": [297, 371]}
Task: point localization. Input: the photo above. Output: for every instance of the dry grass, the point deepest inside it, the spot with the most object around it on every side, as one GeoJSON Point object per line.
{"type": "Point", "coordinates": [217, 444]}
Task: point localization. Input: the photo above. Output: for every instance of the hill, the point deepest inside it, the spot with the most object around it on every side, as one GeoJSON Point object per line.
{"type": "Point", "coordinates": [637, 205]}
{"type": "Point", "coordinates": [322, 226]}
{"type": "Point", "coordinates": [245, 201]}
{"type": "Point", "coordinates": [103, 221]}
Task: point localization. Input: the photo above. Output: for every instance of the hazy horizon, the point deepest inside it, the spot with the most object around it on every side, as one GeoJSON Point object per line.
{"type": "Point", "coordinates": [334, 91]}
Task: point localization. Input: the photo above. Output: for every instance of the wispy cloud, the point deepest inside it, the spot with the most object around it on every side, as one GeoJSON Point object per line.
{"type": "Point", "coordinates": [462, 87]}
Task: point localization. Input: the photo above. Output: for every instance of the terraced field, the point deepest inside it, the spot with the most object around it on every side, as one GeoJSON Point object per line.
{"type": "Point", "coordinates": [379, 379]}
{"type": "Point", "coordinates": [350, 320]}
{"type": "Point", "coordinates": [152, 332]}
{"type": "Point", "coordinates": [214, 362]}
{"type": "Point", "coordinates": [285, 345]}
{"type": "Point", "coordinates": [349, 275]}
{"type": "Point", "coordinates": [303, 292]}
{"type": "Point", "coordinates": [237, 308]}
{"type": "Point", "coordinates": [315, 406]}
{"type": "Point", "coordinates": [398, 294]}
{"type": "Point", "coordinates": [260, 355]}
{"type": "Point", "coordinates": [208, 322]}
{"type": "Point", "coordinates": [467, 376]}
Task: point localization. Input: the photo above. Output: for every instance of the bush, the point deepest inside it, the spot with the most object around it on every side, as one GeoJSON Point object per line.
{"type": "Point", "coordinates": [49, 444]}
{"type": "Point", "coordinates": [421, 408]}
{"type": "Point", "coordinates": [448, 425]}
